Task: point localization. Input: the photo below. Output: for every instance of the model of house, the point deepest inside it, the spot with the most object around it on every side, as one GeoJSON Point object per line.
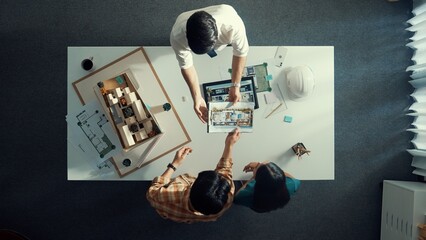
{"type": "Point", "coordinates": [130, 116]}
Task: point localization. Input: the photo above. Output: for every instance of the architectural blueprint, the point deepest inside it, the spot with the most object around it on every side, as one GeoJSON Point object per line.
{"type": "Point", "coordinates": [92, 134]}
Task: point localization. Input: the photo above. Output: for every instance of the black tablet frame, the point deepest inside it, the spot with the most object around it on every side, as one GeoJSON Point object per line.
{"type": "Point", "coordinates": [227, 84]}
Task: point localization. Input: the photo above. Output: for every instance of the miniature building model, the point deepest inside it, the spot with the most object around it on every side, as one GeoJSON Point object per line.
{"type": "Point", "coordinates": [131, 117]}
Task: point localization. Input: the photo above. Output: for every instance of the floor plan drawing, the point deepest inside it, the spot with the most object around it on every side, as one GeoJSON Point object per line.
{"type": "Point", "coordinates": [92, 135]}
{"type": "Point", "coordinates": [91, 124]}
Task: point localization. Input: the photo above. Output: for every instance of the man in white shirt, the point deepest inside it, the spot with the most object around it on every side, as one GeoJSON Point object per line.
{"type": "Point", "coordinates": [207, 30]}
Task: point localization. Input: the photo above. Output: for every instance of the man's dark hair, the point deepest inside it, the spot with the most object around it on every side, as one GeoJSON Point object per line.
{"type": "Point", "coordinates": [270, 190]}
{"type": "Point", "coordinates": [201, 32]}
{"type": "Point", "coordinates": [209, 193]}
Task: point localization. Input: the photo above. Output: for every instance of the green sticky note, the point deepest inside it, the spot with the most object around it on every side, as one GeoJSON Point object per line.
{"type": "Point", "coordinates": [119, 79]}
{"type": "Point", "coordinates": [288, 119]}
{"type": "Point", "coordinates": [268, 77]}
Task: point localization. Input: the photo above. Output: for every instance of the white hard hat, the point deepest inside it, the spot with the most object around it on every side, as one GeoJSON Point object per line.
{"type": "Point", "coordinates": [300, 82]}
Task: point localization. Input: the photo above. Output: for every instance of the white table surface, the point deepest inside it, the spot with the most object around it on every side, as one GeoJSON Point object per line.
{"type": "Point", "coordinates": [313, 118]}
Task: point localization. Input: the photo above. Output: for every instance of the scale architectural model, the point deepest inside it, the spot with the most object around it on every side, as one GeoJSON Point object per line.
{"type": "Point", "coordinates": [129, 114]}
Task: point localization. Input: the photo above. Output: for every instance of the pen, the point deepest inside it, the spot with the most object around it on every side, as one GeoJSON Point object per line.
{"type": "Point", "coordinates": [274, 110]}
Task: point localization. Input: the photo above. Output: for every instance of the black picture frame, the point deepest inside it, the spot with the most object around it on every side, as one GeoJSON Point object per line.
{"type": "Point", "coordinates": [219, 91]}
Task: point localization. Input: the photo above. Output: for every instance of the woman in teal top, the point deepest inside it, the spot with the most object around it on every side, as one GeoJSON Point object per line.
{"type": "Point", "coordinates": [269, 189]}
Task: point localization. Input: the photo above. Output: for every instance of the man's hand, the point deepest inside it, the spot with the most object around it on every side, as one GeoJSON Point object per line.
{"type": "Point", "coordinates": [232, 137]}
{"type": "Point", "coordinates": [200, 109]}
{"type": "Point", "coordinates": [234, 95]}
{"type": "Point", "coordinates": [180, 156]}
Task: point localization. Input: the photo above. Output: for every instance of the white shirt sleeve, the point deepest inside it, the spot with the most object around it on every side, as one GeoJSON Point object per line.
{"type": "Point", "coordinates": [234, 34]}
{"type": "Point", "coordinates": [182, 51]}
{"type": "Point", "coordinates": [179, 42]}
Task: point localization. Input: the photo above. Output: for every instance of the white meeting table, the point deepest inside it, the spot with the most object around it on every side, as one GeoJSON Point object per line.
{"type": "Point", "coordinates": [272, 138]}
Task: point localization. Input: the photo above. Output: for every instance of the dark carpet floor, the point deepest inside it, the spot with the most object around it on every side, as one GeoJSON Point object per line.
{"type": "Point", "coordinates": [371, 97]}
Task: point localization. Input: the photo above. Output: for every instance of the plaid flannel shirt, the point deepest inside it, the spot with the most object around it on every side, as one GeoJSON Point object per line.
{"type": "Point", "coordinates": [170, 197]}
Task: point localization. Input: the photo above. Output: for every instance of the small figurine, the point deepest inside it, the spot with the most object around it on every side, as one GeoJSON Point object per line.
{"type": "Point", "coordinates": [102, 88]}
{"type": "Point", "coordinates": [299, 149]}
{"type": "Point", "coordinates": [123, 102]}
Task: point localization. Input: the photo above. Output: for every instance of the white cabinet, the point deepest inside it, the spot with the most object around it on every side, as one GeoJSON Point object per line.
{"type": "Point", "coordinates": [403, 208]}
